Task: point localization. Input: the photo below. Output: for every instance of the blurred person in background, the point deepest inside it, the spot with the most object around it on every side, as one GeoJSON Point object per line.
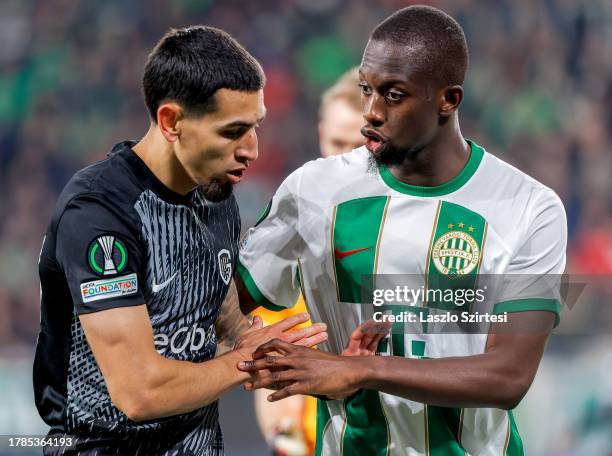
{"type": "Point", "coordinates": [138, 259]}
{"type": "Point", "coordinates": [340, 118]}
{"type": "Point", "coordinates": [289, 426]}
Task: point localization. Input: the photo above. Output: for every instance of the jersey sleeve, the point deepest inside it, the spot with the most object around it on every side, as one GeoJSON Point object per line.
{"type": "Point", "coordinates": [100, 256]}
{"type": "Point", "coordinates": [533, 277]}
{"type": "Point", "coordinates": [267, 263]}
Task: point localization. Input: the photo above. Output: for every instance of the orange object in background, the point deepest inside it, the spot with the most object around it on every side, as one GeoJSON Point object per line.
{"type": "Point", "coordinates": [309, 411]}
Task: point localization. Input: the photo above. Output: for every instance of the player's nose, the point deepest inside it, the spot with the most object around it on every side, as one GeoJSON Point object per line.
{"type": "Point", "coordinates": [374, 113]}
{"type": "Point", "coordinates": [248, 149]}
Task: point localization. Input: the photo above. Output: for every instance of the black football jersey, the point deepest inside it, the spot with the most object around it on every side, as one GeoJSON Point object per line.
{"type": "Point", "coordinates": [119, 237]}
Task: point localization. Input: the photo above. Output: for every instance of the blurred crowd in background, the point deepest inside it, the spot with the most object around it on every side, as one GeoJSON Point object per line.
{"type": "Point", "coordinates": [538, 94]}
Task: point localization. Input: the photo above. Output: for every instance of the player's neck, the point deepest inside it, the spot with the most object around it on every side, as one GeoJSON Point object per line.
{"type": "Point", "coordinates": [436, 164]}
{"type": "Point", "coordinates": [159, 157]}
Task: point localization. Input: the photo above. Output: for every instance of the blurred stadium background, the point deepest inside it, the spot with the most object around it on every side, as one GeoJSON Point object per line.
{"type": "Point", "coordinates": [538, 94]}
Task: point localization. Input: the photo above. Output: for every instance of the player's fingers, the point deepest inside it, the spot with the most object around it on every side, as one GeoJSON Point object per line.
{"type": "Point", "coordinates": [375, 332]}
{"type": "Point", "coordinates": [257, 322]}
{"type": "Point", "coordinates": [384, 327]}
{"type": "Point", "coordinates": [289, 390]}
{"type": "Point", "coordinates": [264, 373]}
{"type": "Point", "coordinates": [374, 343]}
{"type": "Point", "coordinates": [265, 383]}
{"type": "Point", "coordinates": [357, 334]}
{"type": "Point", "coordinates": [290, 322]}
{"type": "Point", "coordinates": [251, 386]}
{"type": "Point", "coordinates": [366, 340]}
{"type": "Point", "coordinates": [364, 333]}
{"type": "Point", "coordinates": [303, 333]}
{"type": "Point", "coordinates": [276, 380]}
{"type": "Point", "coordinates": [282, 347]}
{"type": "Point", "coordinates": [352, 346]}
{"type": "Point", "coordinates": [266, 362]}
{"type": "Point", "coordinates": [311, 341]}
{"type": "Point", "coordinates": [375, 327]}
{"type": "Point", "coordinates": [355, 342]}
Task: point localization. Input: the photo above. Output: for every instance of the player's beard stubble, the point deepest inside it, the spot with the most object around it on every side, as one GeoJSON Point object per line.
{"type": "Point", "coordinates": [216, 191]}
{"type": "Point", "coordinates": [389, 155]}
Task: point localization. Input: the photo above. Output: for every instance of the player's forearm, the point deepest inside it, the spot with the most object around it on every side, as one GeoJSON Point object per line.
{"type": "Point", "coordinates": [482, 380]}
{"type": "Point", "coordinates": [171, 387]}
{"type": "Point", "coordinates": [231, 322]}
{"type": "Point", "coordinates": [228, 332]}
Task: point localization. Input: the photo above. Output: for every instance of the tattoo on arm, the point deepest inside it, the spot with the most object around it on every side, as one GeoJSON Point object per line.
{"type": "Point", "coordinates": [231, 322]}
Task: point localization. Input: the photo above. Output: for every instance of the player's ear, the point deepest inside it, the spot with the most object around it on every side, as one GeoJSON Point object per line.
{"type": "Point", "coordinates": [450, 99]}
{"type": "Point", "coordinates": [168, 117]}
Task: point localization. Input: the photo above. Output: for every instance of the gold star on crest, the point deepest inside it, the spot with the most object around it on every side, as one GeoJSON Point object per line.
{"type": "Point", "coordinates": [461, 224]}
{"type": "Point", "coordinates": [471, 229]}
{"type": "Point", "coordinates": [450, 225]}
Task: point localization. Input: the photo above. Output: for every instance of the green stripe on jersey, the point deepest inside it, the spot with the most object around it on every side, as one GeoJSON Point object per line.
{"type": "Point", "coordinates": [529, 304]}
{"type": "Point", "coordinates": [443, 431]}
{"type": "Point", "coordinates": [264, 213]}
{"type": "Point", "coordinates": [366, 430]}
{"type": "Point", "coordinates": [514, 444]}
{"type": "Point", "coordinates": [442, 424]}
{"type": "Point", "coordinates": [356, 232]}
{"type": "Point", "coordinates": [455, 253]}
{"type": "Point", "coordinates": [323, 420]}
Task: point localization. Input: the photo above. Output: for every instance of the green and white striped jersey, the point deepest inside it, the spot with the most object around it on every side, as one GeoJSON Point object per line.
{"type": "Point", "coordinates": [337, 220]}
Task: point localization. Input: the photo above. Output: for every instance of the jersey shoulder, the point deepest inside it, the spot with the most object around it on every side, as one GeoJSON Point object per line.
{"type": "Point", "coordinates": [108, 183]}
{"type": "Point", "coordinates": [356, 161]}
{"type": "Point", "coordinates": [328, 178]}
{"type": "Point", "coordinates": [110, 178]}
{"type": "Point", "coordinates": [503, 180]}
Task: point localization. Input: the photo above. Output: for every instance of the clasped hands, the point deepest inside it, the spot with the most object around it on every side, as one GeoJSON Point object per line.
{"type": "Point", "coordinates": [290, 366]}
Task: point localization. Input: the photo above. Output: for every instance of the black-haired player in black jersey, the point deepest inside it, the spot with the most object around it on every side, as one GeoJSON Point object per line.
{"type": "Point", "coordinates": [139, 257]}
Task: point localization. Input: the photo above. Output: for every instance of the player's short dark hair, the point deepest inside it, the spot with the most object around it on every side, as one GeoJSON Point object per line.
{"type": "Point", "coordinates": [444, 55]}
{"type": "Point", "coordinates": [189, 65]}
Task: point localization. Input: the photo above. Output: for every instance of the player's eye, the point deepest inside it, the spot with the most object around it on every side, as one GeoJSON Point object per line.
{"type": "Point", "coordinates": [234, 133]}
{"type": "Point", "coordinates": [393, 95]}
{"type": "Point", "coordinates": [365, 89]}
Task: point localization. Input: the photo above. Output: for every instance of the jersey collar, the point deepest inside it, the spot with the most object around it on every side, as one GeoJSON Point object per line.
{"type": "Point", "coordinates": [147, 177]}
{"type": "Point", "coordinates": [476, 154]}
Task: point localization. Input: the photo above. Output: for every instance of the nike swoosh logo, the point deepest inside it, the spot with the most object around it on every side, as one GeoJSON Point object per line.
{"type": "Point", "coordinates": [339, 255]}
{"type": "Point", "coordinates": [158, 287]}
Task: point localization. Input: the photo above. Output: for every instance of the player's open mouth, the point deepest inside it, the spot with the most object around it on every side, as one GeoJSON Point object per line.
{"type": "Point", "coordinates": [235, 176]}
{"type": "Point", "coordinates": [374, 141]}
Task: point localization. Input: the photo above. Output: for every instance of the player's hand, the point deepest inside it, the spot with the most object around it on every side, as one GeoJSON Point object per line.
{"type": "Point", "coordinates": [301, 370]}
{"type": "Point", "coordinates": [257, 334]}
{"type": "Point", "coordinates": [364, 340]}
